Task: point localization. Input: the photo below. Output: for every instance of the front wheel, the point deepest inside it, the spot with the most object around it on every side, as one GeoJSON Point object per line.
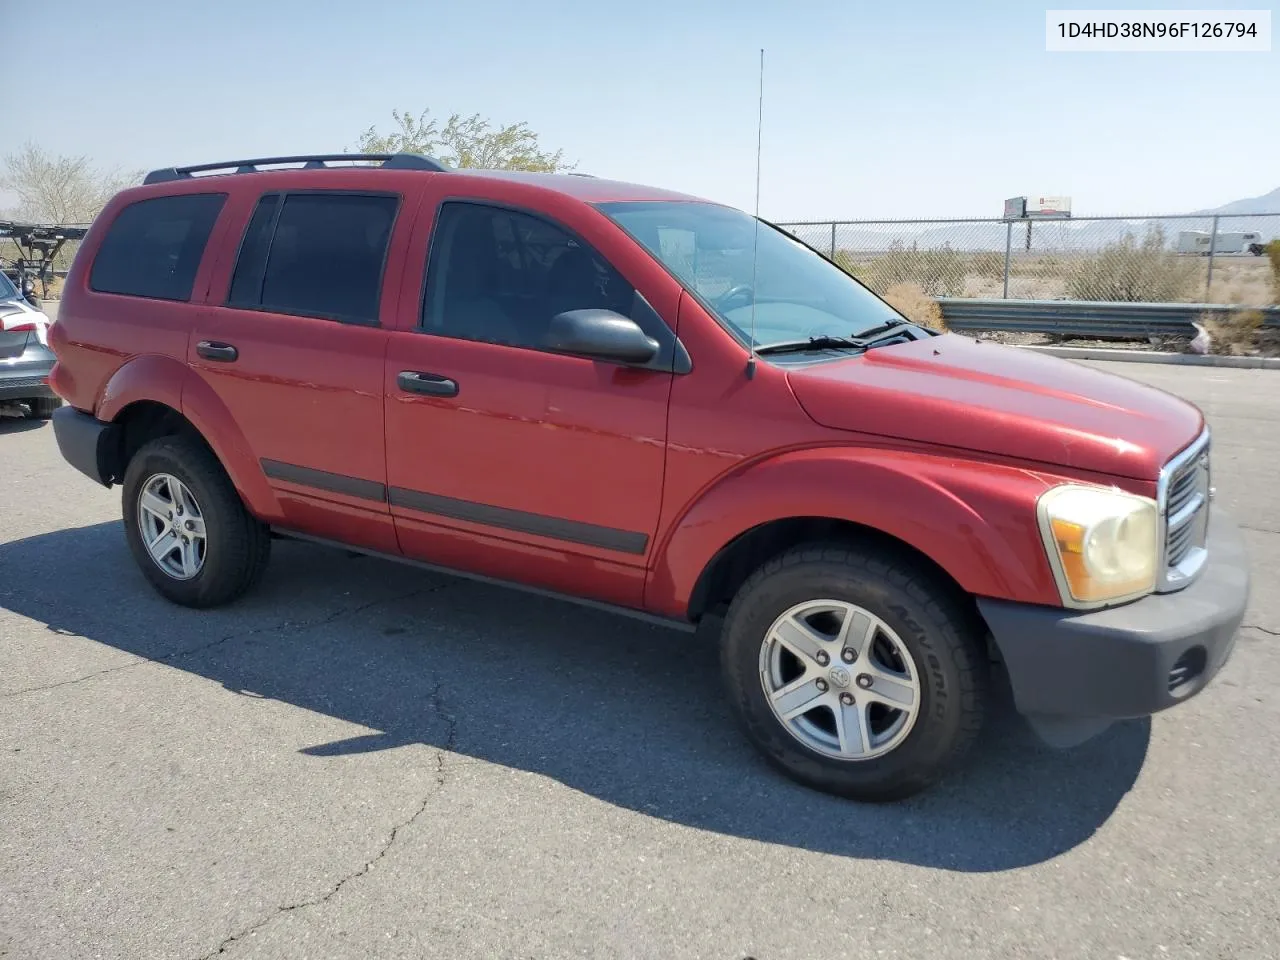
{"type": "Point", "coordinates": [187, 528]}
{"type": "Point", "coordinates": [853, 671]}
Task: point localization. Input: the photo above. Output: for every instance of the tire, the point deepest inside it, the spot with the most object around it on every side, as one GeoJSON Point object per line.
{"type": "Point", "coordinates": [42, 407]}
{"type": "Point", "coordinates": [911, 614]}
{"type": "Point", "coordinates": [236, 546]}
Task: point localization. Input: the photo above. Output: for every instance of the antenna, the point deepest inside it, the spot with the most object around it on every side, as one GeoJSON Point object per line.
{"type": "Point", "coordinates": [755, 239]}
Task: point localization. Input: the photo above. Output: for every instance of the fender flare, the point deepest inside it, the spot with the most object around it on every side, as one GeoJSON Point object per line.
{"type": "Point", "coordinates": [171, 382]}
{"type": "Point", "coordinates": [975, 520]}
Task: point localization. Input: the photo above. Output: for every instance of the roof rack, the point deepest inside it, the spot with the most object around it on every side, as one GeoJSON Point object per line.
{"type": "Point", "coordinates": [390, 161]}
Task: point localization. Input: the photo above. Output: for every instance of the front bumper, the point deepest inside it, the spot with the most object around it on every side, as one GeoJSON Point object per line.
{"type": "Point", "coordinates": [1127, 661]}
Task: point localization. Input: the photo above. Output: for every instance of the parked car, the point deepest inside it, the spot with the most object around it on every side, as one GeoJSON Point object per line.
{"type": "Point", "coordinates": [25, 358]}
{"type": "Point", "coordinates": [636, 398]}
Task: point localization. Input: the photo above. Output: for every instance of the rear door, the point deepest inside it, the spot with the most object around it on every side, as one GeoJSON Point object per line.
{"type": "Point", "coordinates": [293, 344]}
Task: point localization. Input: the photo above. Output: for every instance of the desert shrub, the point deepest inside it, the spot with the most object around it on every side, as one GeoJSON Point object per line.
{"type": "Point", "coordinates": [847, 261]}
{"type": "Point", "coordinates": [910, 300]}
{"type": "Point", "coordinates": [1132, 271]}
{"type": "Point", "coordinates": [1233, 332]}
{"type": "Point", "coordinates": [1250, 288]}
{"type": "Point", "coordinates": [988, 265]}
{"type": "Point", "coordinates": [1273, 254]}
{"type": "Point", "coordinates": [1045, 265]}
{"type": "Point", "coordinates": [939, 271]}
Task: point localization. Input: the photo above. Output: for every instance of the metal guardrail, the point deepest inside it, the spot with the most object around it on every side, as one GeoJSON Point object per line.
{"type": "Point", "coordinates": [1084, 318]}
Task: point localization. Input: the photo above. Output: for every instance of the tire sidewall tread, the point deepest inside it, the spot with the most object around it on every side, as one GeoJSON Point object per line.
{"type": "Point", "coordinates": [929, 619]}
{"type": "Point", "coordinates": [42, 407]}
{"type": "Point", "coordinates": [237, 545]}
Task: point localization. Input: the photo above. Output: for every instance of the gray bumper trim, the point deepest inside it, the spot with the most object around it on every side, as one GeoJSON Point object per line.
{"type": "Point", "coordinates": [1115, 663]}
{"type": "Point", "coordinates": [87, 444]}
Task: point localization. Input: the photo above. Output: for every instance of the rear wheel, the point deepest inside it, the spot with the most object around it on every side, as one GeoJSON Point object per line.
{"type": "Point", "coordinates": [42, 407]}
{"type": "Point", "coordinates": [187, 528]}
{"type": "Point", "coordinates": [853, 671]}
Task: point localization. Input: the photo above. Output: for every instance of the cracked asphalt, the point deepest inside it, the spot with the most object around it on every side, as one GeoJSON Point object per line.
{"type": "Point", "coordinates": [363, 760]}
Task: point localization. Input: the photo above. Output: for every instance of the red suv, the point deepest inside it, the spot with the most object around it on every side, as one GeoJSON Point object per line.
{"type": "Point", "coordinates": [636, 398]}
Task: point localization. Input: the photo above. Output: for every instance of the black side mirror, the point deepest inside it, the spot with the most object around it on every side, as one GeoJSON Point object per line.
{"type": "Point", "coordinates": [601, 335]}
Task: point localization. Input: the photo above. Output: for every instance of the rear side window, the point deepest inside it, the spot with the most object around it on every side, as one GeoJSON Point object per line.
{"type": "Point", "coordinates": [153, 247]}
{"type": "Point", "coordinates": [324, 257]}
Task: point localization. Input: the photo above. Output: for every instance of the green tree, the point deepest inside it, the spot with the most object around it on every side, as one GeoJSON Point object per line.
{"type": "Point", "coordinates": [59, 189]}
{"type": "Point", "coordinates": [465, 142]}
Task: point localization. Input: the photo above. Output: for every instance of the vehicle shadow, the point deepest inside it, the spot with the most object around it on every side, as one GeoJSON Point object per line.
{"type": "Point", "coordinates": [19, 424]}
{"type": "Point", "coordinates": [621, 710]}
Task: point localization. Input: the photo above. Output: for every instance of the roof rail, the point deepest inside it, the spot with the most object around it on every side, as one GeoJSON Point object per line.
{"type": "Point", "coordinates": [390, 161]}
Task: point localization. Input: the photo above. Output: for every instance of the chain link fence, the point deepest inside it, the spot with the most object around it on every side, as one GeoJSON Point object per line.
{"type": "Point", "coordinates": [1166, 259]}
{"type": "Point", "coordinates": [1170, 259]}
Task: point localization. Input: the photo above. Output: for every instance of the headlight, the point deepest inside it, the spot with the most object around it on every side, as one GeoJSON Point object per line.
{"type": "Point", "coordinates": [1103, 544]}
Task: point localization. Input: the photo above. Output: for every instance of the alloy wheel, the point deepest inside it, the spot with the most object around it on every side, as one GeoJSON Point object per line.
{"type": "Point", "coordinates": [172, 526]}
{"type": "Point", "coordinates": [840, 680]}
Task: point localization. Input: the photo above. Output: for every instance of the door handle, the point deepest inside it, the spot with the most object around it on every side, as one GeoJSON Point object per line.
{"type": "Point", "coordinates": [212, 350]}
{"type": "Point", "coordinates": [432, 385]}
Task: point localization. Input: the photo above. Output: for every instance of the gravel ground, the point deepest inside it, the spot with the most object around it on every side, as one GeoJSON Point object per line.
{"type": "Point", "coordinates": [1267, 343]}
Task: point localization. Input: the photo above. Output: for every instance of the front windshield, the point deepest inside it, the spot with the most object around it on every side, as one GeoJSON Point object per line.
{"type": "Point", "coordinates": [7, 290]}
{"type": "Point", "coordinates": [797, 294]}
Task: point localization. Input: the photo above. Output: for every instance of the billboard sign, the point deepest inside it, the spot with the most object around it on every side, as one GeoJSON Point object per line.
{"type": "Point", "coordinates": [1048, 208]}
{"type": "Point", "coordinates": [1015, 208]}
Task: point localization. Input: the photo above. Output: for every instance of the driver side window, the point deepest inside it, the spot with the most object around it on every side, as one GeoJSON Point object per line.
{"type": "Point", "coordinates": [499, 276]}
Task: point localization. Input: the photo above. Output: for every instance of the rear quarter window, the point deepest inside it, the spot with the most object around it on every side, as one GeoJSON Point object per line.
{"type": "Point", "coordinates": [153, 247]}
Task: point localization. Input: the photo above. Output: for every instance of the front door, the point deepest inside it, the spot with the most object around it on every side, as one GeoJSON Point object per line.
{"type": "Point", "coordinates": [505, 458]}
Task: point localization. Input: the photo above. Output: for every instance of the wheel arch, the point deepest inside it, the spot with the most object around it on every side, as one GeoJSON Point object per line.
{"type": "Point", "coordinates": [970, 523]}
{"type": "Point", "coordinates": [733, 563]}
{"type": "Point", "coordinates": [143, 421]}
{"type": "Point", "coordinates": [155, 396]}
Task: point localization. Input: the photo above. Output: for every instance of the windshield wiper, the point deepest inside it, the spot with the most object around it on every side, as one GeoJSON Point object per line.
{"type": "Point", "coordinates": [867, 337]}
{"type": "Point", "coordinates": [812, 343]}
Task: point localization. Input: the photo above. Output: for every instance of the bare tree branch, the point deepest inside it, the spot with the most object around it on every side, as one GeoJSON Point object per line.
{"type": "Point", "coordinates": [58, 189]}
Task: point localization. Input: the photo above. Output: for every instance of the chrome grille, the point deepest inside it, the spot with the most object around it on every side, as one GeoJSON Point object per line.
{"type": "Point", "coordinates": [1181, 490]}
{"type": "Point", "coordinates": [1180, 541]}
{"type": "Point", "coordinates": [1184, 510]}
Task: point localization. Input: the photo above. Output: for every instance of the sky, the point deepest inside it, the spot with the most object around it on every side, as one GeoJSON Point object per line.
{"type": "Point", "coordinates": [884, 109]}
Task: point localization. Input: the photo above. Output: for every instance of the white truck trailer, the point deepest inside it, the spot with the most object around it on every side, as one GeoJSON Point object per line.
{"type": "Point", "coordinates": [1199, 241]}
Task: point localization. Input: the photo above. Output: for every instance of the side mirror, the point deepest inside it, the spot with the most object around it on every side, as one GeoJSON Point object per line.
{"type": "Point", "coordinates": [601, 335]}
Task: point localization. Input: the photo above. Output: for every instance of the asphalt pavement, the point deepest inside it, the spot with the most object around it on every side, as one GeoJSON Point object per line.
{"type": "Point", "coordinates": [362, 760]}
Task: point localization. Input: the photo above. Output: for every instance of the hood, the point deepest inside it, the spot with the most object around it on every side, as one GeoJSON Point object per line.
{"type": "Point", "coordinates": [982, 396]}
